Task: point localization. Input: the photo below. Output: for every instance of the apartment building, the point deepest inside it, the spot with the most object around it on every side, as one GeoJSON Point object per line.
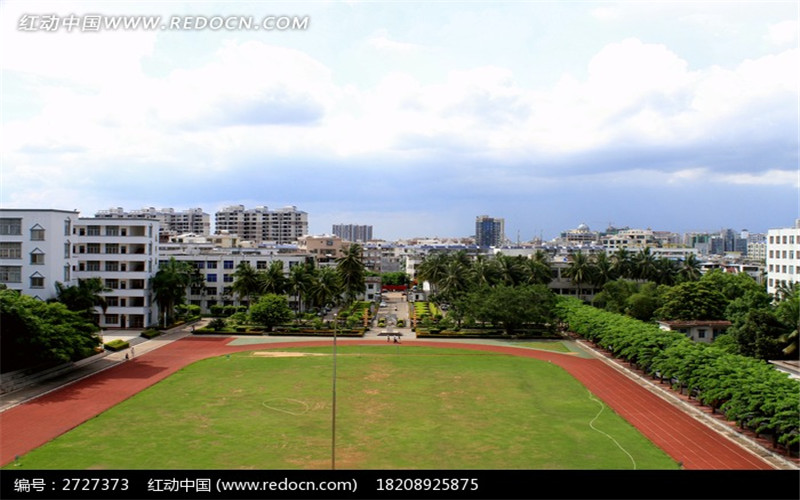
{"type": "Point", "coordinates": [489, 231]}
{"type": "Point", "coordinates": [283, 225]}
{"type": "Point", "coordinates": [36, 250]}
{"type": "Point", "coordinates": [172, 222]}
{"type": "Point", "coordinates": [124, 254]}
{"type": "Point", "coordinates": [783, 257]}
{"type": "Point", "coordinates": [353, 232]}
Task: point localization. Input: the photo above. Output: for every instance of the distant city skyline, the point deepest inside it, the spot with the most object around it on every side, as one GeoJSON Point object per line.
{"type": "Point", "coordinates": [411, 117]}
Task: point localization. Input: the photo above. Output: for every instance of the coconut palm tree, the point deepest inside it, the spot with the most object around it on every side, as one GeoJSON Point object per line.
{"type": "Point", "coordinates": [431, 269]}
{"type": "Point", "coordinates": [299, 284]}
{"type": "Point", "coordinates": [484, 272]}
{"type": "Point", "coordinates": [326, 287]}
{"type": "Point", "coordinates": [644, 265]}
{"type": "Point", "coordinates": [273, 280]}
{"type": "Point", "coordinates": [245, 282]}
{"type": "Point", "coordinates": [690, 268]}
{"type": "Point", "coordinates": [84, 296]}
{"type": "Point", "coordinates": [603, 270]}
{"type": "Point", "coordinates": [579, 270]}
{"type": "Point", "coordinates": [621, 264]}
{"type": "Point", "coordinates": [169, 286]}
{"type": "Point", "coordinates": [352, 271]}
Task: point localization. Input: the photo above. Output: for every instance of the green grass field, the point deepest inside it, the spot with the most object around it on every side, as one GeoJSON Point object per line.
{"type": "Point", "coordinates": [406, 408]}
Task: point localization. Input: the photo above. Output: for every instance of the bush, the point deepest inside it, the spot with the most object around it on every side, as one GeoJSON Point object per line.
{"type": "Point", "coordinates": [117, 345]}
{"type": "Point", "coordinates": [217, 324]}
{"type": "Point", "coordinates": [149, 334]}
{"type": "Point", "coordinates": [217, 310]}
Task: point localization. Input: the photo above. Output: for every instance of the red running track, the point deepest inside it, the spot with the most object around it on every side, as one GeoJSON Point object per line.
{"type": "Point", "coordinates": [32, 424]}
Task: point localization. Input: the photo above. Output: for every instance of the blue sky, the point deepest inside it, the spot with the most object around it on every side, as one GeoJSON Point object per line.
{"type": "Point", "coordinates": [414, 117]}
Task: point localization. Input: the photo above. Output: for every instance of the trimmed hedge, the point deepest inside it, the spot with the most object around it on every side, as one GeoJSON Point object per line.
{"type": "Point", "coordinates": [117, 345]}
{"type": "Point", "coordinates": [149, 334]}
{"type": "Point", "coordinates": [748, 391]}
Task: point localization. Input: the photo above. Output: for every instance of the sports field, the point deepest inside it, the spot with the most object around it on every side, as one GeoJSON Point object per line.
{"type": "Point", "coordinates": [409, 408]}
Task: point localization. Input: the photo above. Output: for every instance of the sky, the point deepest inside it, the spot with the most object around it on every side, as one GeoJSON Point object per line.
{"type": "Point", "coordinates": [412, 117]}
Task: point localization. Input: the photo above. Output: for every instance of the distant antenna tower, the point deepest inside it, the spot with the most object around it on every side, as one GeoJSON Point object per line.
{"type": "Point", "coordinates": [517, 236]}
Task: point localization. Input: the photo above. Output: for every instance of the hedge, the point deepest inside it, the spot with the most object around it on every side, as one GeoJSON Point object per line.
{"type": "Point", "coordinates": [116, 345]}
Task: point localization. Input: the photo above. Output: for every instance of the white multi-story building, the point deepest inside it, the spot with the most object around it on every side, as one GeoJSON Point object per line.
{"type": "Point", "coordinates": [39, 248]}
{"type": "Point", "coordinates": [36, 250]}
{"type": "Point", "coordinates": [283, 225]}
{"type": "Point", "coordinates": [783, 257]}
{"type": "Point", "coordinates": [353, 232]}
{"type": "Point", "coordinates": [124, 254]}
{"type": "Point", "coordinates": [217, 267]}
{"type": "Point", "coordinates": [630, 239]}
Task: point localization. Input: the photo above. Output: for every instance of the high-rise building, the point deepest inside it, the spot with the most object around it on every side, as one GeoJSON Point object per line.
{"type": "Point", "coordinates": [783, 257]}
{"type": "Point", "coordinates": [193, 220]}
{"type": "Point", "coordinates": [283, 225]}
{"type": "Point", "coordinates": [353, 232]}
{"type": "Point", "coordinates": [489, 231]}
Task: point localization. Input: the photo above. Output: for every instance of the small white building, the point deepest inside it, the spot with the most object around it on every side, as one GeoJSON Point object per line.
{"type": "Point", "coordinates": [697, 330]}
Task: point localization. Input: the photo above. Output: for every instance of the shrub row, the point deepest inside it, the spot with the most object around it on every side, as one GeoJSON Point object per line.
{"type": "Point", "coordinates": [748, 391]}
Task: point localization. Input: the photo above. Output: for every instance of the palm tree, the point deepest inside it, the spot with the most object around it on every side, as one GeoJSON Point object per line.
{"type": "Point", "coordinates": [273, 280]}
{"type": "Point", "coordinates": [644, 265]}
{"type": "Point", "coordinates": [621, 264]}
{"type": "Point", "coordinates": [169, 286]}
{"type": "Point", "coordinates": [512, 270]}
{"type": "Point", "coordinates": [579, 270]}
{"type": "Point", "coordinates": [484, 272]}
{"type": "Point", "coordinates": [455, 280]}
{"type": "Point", "coordinates": [299, 284]}
{"type": "Point", "coordinates": [690, 268]}
{"type": "Point", "coordinates": [432, 269]}
{"type": "Point", "coordinates": [84, 296]}
{"type": "Point", "coordinates": [666, 271]}
{"type": "Point", "coordinates": [603, 270]}
{"type": "Point", "coordinates": [245, 282]}
{"type": "Point", "coordinates": [326, 287]}
{"type": "Point", "coordinates": [352, 271]}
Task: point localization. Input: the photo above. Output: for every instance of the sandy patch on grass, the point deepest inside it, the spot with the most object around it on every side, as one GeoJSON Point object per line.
{"type": "Point", "coordinates": [285, 354]}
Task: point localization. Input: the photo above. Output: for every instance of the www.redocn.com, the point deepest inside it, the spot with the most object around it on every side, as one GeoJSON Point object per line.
{"type": "Point", "coordinates": [98, 22]}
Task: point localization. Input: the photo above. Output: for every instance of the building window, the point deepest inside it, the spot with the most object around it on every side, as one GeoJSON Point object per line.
{"type": "Point", "coordinates": [112, 319]}
{"type": "Point", "coordinates": [10, 226]}
{"type": "Point", "coordinates": [37, 282]}
{"type": "Point", "coordinates": [10, 274]}
{"type": "Point", "coordinates": [112, 248]}
{"type": "Point", "coordinates": [93, 231]}
{"type": "Point", "coordinates": [211, 265]}
{"type": "Point", "coordinates": [211, 278]}
{"type": "Point", "coordinates": [67, 227]}
{"type": "Point", "coordinates": [66, 250]}
{"type": "Point", "coordinates": [37, 257]}
{"type": "Point", "coordinates": [10, 250]}
{"type": "Point", "coordinates": [112, 284]}
{"type": "Point", "coordinates": [228, 264]}
{"type": "Point", "coordinates": [93, 248]}
{"type": "Point", "coordinates": [210, 290]}
{"type": "Point", "coordinates": [701, 333]}
{"type": "Point", "coordinates": [112, 301]}
{"type": "Point", "coordinates": [37, 233]}
{"type": "Point", "coordinates": [66, 273]}
{"type": "Point", "coordinates": [112, 231]}
{"type": "Point", "coordinates": [112, 266]}
{"type": "Point", "coordinates": [227, 278]}
{"type": "Point", "coordinates": [93, 265]}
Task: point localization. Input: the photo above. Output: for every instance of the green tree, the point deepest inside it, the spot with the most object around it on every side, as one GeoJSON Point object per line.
{"type": "Point", "coordinates": [273, 280]}
{"type": "Point", "coordinates": [689, 269]}
{"type": "Point", "coordinates": [644, 265]}
{"type": "Point", "coordinates": [579, 270]}
{"type": "Point", "coordinates": [621, 264]}
{"type": "Point", "coordinates": [83, 297]}
{"type": "Point", "coordinates": [36, 332]}
{"type": "Point", "coordinates": [169, 285]}
{"type": "Point", "coordinates": [759, 335]}
{"type": "Point", "coordinates": [270, 310]}
{"type": "Point", "coordinates": [246, 282]}
{"type": "Point", "coordinates": [692, 300]}
{"type": "Point", "coordinates": [513, 307]}
{"type": "Point", "coordinates": [300, 284]}
{"type": "Point", "coordinates": [326, 288]}
{"type": "Point", "coordinates": [352, 271]}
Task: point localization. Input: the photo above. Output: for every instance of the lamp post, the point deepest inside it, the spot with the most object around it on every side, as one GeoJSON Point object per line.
{"type": "Point", "coordinates": [333, 396]}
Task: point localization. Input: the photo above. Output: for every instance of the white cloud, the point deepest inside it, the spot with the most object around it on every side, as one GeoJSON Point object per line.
{"type": "Point", "coordinates": [381, 40]}
{"type": "Point", "coordinates": [783, 33]}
